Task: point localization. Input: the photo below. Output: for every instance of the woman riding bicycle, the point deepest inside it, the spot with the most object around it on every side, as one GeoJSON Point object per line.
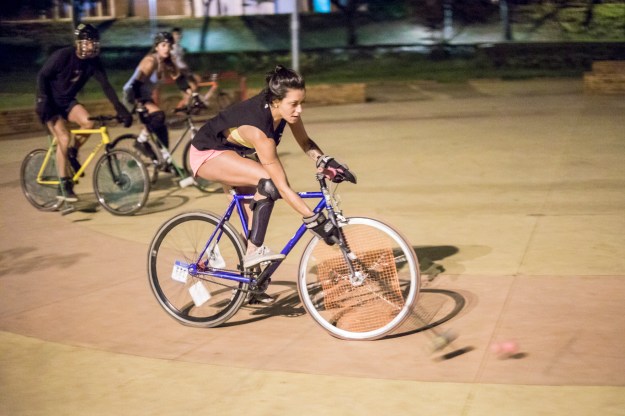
{"type": "Point", "coordinates": [139, 89]}
{"type": "Point", "coordinates": [221, 148]}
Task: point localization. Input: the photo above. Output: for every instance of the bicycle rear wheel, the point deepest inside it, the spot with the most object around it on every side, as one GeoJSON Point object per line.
{"type": "Point", "coordinates": [377, 298]}
{"type": "Point", "coordinates": [121, 182]}
{"type": "Point", "coordinates": [179, 241]}
{"type": "Point", "coordinates": [202, 184]}
{"type": "Point", "coordinates": [41, 195]}
{"type": "Point", "coordinates": [129, 142]}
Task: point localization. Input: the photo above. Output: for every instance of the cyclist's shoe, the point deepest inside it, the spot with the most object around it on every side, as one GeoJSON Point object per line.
{"type": "Point", "coordinates": [72, 156]}
{"type": "Point", "coordinates": [260, 255]}
{"type": "Point", "coordinates": [261, 298]}
{"type": "Point", "coordinates": [66, 191]}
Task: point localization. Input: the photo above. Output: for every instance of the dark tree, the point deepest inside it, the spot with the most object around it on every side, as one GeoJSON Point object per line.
{"type": "Point", "coordinates": [349, 9]}
{"type": "Point", "coordinates": [205, 24]}
{"type": "Point", "coordinates": [590, 12]}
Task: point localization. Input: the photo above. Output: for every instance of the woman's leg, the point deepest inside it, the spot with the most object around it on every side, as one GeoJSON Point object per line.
{"type": "Point", "coordinates": [58, 128]}
{"type": "Point", "coordinates": [231, 169]}
{"type": "Point", "coordinates": [79, 115]}
{"type": "Point", "coordinates": [155, 122]}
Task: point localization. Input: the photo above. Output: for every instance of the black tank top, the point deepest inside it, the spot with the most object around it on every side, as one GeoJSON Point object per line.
{"type": "Point", "coordinates": [253, 112]}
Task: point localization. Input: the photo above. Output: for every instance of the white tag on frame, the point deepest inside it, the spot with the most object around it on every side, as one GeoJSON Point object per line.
{"type": "Point", "coordinates": [180, 272]}
{"type": "Point", "coordinates": [199, 294]}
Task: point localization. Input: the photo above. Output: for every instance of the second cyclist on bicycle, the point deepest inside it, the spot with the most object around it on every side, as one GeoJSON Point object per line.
{"type": "Point", "coordinates": [140, 88]}
{"type": "Point", "coordinates": [60, 79]}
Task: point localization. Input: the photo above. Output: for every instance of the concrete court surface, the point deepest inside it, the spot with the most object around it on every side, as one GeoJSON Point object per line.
{"type": "Point", "coordinates": [512, 194]}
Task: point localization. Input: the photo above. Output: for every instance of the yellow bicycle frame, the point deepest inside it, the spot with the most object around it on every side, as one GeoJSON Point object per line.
{"type": "Point", "coordinates": [102, 131]}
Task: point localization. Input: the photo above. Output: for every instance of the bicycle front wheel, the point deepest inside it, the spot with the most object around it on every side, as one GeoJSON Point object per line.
{"type": "Point", "coordinates": [129, 143]}
{"type": "Point", "coordinates": [201, 300]}
{"type": "Point", "coordinates": [121, 182]}
{"type": "Point", "coordinates": [376, 297]}
{"type": "Point", "coordinates": [41, 191]}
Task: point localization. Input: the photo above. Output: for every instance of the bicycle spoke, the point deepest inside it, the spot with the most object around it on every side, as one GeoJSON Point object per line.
{"type": "Point", "coordinates": [202, 299]}
{"type": "Point", "coordinates": [120, 182]}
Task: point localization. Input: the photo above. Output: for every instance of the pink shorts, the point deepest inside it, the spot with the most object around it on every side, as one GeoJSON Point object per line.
{"type": "Point", "coordinates": [198, 157]}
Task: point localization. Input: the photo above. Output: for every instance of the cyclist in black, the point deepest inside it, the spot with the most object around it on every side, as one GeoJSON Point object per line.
{"type": "Point", "coordinates": [220, 147]}
{"type": "Point", "coordinates": [60, 79]}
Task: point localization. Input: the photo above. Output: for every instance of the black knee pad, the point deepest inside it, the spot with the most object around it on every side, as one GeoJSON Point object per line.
{"type": "Point", "coordinates": [262, 210]}
{"type": "Point", "coordinates": [156, 124]}
{"type": "Point", "coordinates": [267, 188]}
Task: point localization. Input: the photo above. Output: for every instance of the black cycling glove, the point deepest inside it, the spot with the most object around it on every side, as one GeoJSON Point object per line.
{"type": "Point", "coordinates": [334, 170]}
{"type": "Point", "coordinates": [322, 227]}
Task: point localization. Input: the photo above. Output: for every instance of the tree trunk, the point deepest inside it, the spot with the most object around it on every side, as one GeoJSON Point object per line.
{"type": "Point", "coordinates": [349, 10]}
{"type": "Point", "coordinates": [76, 12]}
{"type": "Point", "coordinates": [205, 24]}
{"type": "Point", "coordinates": [590, 12]}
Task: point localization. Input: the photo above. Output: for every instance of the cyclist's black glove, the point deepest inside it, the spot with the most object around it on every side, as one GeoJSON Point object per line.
{"type": "Point", "coordinates": [335, 170]}
{"type": "Point", "coordinates": [322, 227]}
{"type": "Point", "coordinates": [123, 115]}
{"type": "Point", "coordinates": [44, 108]}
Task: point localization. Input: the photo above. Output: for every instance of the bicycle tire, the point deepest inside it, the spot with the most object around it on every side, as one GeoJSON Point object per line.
{"type": "Point", "coordinates": [120, 182]}
{"type": "Point", "coordinates": [181, 239]}
{"type": "Point", "coordinates": [381, 302]}
{"type": "Point", "coordinates": [41, 196]}
{"type": "Point", "coordinates": [203, 185]}
{"type": "Point", "coordinates": [127, 142]}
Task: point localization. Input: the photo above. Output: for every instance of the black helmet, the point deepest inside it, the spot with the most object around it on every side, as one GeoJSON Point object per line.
{"type": "Point", "coordinates": [86, 32]}
{"type": "Point", "coordinates": [163, 37]}
{"type": "Point", "coordinates": [87, 41]}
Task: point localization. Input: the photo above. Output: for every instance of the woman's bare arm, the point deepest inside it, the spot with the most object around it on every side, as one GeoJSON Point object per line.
{"type": "Point", "coordinates": [306, 143]}
{"type": "Point", "coordinates": [268, 156]}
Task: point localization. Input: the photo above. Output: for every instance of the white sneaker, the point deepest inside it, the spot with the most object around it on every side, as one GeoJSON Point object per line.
{"type": "Point", "coordinates": [261, 254]}
{"type": "Point", "coordinates": [216, 260]}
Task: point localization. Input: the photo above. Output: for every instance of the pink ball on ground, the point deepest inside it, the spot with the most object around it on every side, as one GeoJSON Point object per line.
{"type": "Point", "coordinates": [504, 349]}
{"type": "Point", "coordinates": [510, 347]}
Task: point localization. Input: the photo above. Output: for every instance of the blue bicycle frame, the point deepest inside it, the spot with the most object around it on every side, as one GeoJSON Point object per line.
{"type": "Point", "coordinates": [237, 202]}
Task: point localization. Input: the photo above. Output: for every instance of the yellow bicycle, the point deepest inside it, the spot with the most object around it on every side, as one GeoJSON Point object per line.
{"type": "Point", "coordinates": [120, 179]}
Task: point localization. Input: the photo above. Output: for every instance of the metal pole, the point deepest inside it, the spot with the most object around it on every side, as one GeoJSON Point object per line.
{"type": "Point", "coordinates": [448, 29]}
{"type": "Point", "coordinates": [152, 13]}
{"type": "Point", "coordinates": [295, 37]}
{"type": "Point", "coordinates": [504, 12]}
